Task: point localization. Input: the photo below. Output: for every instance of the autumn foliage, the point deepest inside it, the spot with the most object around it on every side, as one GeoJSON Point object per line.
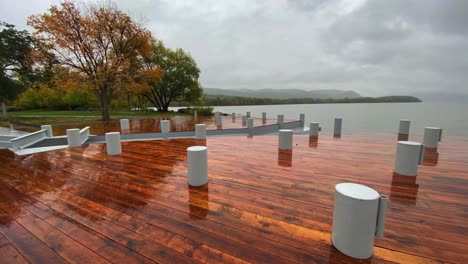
{"type": "Point", "coordinates": [101, 44]}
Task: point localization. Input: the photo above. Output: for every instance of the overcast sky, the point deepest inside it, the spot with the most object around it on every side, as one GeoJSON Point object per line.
{"type": "Point", "coordinates": [375, 47]}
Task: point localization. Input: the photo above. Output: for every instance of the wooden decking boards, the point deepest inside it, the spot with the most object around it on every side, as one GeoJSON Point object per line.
{"type": "Point", "coordinates": [261, 205]}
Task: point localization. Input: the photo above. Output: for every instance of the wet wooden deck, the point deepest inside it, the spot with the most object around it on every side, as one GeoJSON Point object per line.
{"type": "Point", "coordinates": [261, 206]}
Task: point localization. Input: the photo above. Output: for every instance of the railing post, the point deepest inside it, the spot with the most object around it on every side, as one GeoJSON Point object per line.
{"type": "Point", "coordinates": [49, 132]}
{"type": "Point", "coordinates": [124, 124]}
{"type": "Point", "coordinates": [337, 127]}
{"type": "Point", "coordinates": [73, 137]}
{"type": "Point", "coordinates": [200, 131]}
{"type": "Point", "coordinates": [285, 139]}
{"type": "Point", "coordinates": [113, 143]}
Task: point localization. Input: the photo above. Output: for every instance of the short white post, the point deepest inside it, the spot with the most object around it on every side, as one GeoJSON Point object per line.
{"type": "Point", "coordinates": [358, 216]}
{"type": "Point", "coordinates": [247, 114]}
{"type": "Point", "coordinates": [314, 129]}
{"type": "Point", "coordinates": [404, 128]}
{"type": "Point", "coordinates": [285, 139]}
{"type": "Point", "coordinates": [432, 136]}
{"type": "Point", "coordinates": [280, 119]}
{"type": "Point", "coordinates": [165, 128]}
{"type": "Point", "coordinates": [4, 110]}
{"type": "Point", "coordinates": [124, 124]}
{"type": "Point", "coordinates": [73, 137]}
{"type": "Point", "coordinates": [113, 143]}
{"type": "Point", "coordinates": [337, 126]}
{"type": "Point", "coordinates": [408, 156]}
{"type": "Point", "coordinates": [197, 158]}
{"type": "Point", "coordinates": [195, 114]}
{"type": "Point", "coordinates": [302, 119]}
{"type": "Point", "coordinates": [218, 120]}
{"type": "Point", "coordinates": [200, 131]}
{"type": "Point", "coordinates": [233, 115]}
{"type": "Point", "coordinates": [178, 120]}
{"type": "Point", "coordinates": [264, 116]}
{"type": "Point", "coordinates": [49, 130]}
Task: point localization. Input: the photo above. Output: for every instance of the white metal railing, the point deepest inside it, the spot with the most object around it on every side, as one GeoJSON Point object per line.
{"type": "Point", "coordinates": [28, 140]}
{"type": "Point", "coordinates": [84, 134]}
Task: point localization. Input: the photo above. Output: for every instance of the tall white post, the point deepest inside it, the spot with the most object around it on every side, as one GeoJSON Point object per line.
{"type": "Point", "coordinates": [337, 126]}
{"type": "Point", "coordinates": [280, 119]}
{"type": "Point", "coordinates": [250, 125]}
{"type": "Point", "coordinates": [113, 143]}
{"type": "Point", "coordinates": [165, 127]}
{"type": "Point", "coordinates": [404, 128]}
{"type": "Point", "coordinates": [285, 139]}
{"type": "Point", "coordinates": [264, 116]}
{"type": "Point", "coordinates": [432, 136]}
{"type": "Point", "coordinates": [302, 119]}
{"type": "Point", "coordinates": [314, 129]}
{"type": "Point", "coordinates": [247, 114]}
{"type": "Point", "coordinates": [408, 156]}
{"type": "Point", "coordinates": [195, 114]}
{"type": "Point", "coordinates": [73, 137]}
{"type": "Point", "coordinates": [197, 159]}
{"type": "Point", "coordinates": [124, 124]}
{"type": "Point", "coordinates": [200, 131]}
{"type": "Point", "coordinates": [233, 115]}
{"type": "Point", "coordinates": [49, 130]}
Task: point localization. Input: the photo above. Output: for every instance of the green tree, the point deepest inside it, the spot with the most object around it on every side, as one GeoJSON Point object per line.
{"type": "Point", "coordinates": [15, 64]}
{"type": "Point", "coordinates": [179, 81]}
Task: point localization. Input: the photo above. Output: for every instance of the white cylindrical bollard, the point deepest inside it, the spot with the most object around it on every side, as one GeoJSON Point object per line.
{"type": "Point", "coordinates": [113, 143]}
{"type": "Point", "coordinates": [264, 116]}
{"type": "Point", "coordinates": [404, 127]}
{"type": "Point", "coordinates": [195, 114]}
{"type": "Point", "coordinates": [302, 119]}
{"type": "Point", "coordinates": [355, 212]}
{"type": "Point", "coordinates": [73, 137]}
{"type": "Point", "coordinates": [314, 129]}
{"type": "Point", "coordinates": [197, 158]}
{"type": "Point", "coordinates": [280, 119]}
{"type": "Point", "coordinates": [248, 114]}
{"type": "Point", "coordinates": [233, 115]}
{"type": "Point", "coordinates": [124, 124]}
{"type": "Point", "coordinates": [200, 131]}
{"type": "Point", "coordinates": [408, 156]}
{"type": "Point", "coordinates": [337, 126]}
{"type": "Point", "coordinates": [165, 126]}
{"type": "Point", "coordinates": [432, 136]}
{"type": "Point", "coordinates": [49, 130]}
{"type": "Point", "coordinates": [285, 139]}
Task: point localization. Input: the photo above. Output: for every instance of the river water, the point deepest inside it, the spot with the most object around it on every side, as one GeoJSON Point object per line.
{"type": "Point", "coordinates": [370, 118]}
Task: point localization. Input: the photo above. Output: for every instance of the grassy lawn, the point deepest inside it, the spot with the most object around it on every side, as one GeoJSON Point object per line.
{"type": "Point", "coordinates": [53, 117]}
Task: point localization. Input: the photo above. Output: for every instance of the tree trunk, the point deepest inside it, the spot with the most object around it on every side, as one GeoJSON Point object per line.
{"type": "Point", "coordinates": [105, 103]}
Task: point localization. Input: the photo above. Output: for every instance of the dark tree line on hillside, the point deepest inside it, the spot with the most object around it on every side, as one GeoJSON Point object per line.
{"type": "Point", "coordinates": [218, 100]}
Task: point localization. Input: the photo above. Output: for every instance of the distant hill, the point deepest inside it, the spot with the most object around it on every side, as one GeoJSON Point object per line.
{"type": "Point", "coordinates": [283, 93]}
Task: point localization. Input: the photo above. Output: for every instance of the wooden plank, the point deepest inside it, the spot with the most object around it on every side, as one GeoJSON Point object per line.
{"type": "Point", "coordinates": [9, 254]}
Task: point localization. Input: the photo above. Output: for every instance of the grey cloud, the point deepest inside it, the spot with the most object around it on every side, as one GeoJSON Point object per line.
{"type": "Point", "coordinates": [374, 47]}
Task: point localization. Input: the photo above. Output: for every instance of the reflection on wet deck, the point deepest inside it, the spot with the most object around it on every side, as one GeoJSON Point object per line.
{"type": "Point", "coordinates": [261, 205]}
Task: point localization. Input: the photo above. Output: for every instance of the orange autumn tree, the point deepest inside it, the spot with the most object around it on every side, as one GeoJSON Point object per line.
{"type": "Point", "coordinates": [99, 41]}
